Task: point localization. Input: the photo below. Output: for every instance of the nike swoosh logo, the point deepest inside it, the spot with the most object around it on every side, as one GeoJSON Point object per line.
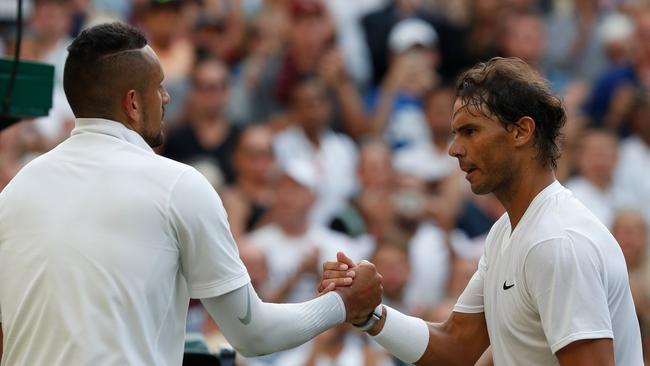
{"type": "Point", "coordinates": [247, 318]}
{"type": "Point", "coordinates": [507, 287]}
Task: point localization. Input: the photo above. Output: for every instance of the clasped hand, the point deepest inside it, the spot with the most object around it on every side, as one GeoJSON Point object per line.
{"type": "Point", "coordinates": [359, 285]}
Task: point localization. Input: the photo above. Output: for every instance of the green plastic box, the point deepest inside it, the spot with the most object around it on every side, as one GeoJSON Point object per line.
{"type": "Point", "coordinates": [32, 94]}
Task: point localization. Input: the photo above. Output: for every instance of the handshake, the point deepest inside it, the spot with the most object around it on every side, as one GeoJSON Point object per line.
{"type": "Point", "coordinates": [359, 285]}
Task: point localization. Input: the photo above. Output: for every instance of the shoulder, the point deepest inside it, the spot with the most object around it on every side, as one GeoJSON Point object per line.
{"type": "Point", "coordinates": [339, 140]}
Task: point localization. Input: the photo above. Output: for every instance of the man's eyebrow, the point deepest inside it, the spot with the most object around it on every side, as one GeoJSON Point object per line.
{"type": "Point", "coordinates": [463, 127]}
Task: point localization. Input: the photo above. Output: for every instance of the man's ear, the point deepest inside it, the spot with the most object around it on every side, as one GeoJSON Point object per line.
{"type": "Point", "coordinates": [131, 106]}
{"type": "Point", "coordinates": [524, 131]}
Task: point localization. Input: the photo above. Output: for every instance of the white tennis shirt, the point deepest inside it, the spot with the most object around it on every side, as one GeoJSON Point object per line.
{"type": "Point", "coordinates": [558, 278]}
{"type": "Point", "coordinates": [102, 244]}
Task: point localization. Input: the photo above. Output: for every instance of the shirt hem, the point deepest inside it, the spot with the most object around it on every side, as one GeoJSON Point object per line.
{"type": "Point", "coordinates": [219, 288]}
{"type": "Point", "coordinates": [469, 309]}
{"type": "Point", "coordinates": [580, 336]}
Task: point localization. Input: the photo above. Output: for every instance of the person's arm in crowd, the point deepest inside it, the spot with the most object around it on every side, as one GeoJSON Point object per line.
{"type": "Point", "coordinates": [460, 340]}
{"type": "Point", "coordinates": [255, 328]}
{"type": "Point", "coordinates": [235, 32]}
{"type": "Point", "coordinates": [332, 71]}
{"type": "Point", "coordinates": [397, 74]}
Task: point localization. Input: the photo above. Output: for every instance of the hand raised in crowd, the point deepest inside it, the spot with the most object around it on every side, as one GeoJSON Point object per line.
{"type": "Point", "coordinates": [331, 68]}
{"type": "Point", "coordinates": [360, 295]}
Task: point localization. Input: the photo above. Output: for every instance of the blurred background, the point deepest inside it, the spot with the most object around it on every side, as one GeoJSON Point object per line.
{"type": "Point", "coordinates": [324, 126]}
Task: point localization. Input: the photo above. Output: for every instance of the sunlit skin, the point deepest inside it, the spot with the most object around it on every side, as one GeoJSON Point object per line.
{"type": "Point", "coordinates": [154, 99]}
{"type": "Point", "coordinates": [499, 160]}
{"type": "Point", "coordinates": [146, 108]}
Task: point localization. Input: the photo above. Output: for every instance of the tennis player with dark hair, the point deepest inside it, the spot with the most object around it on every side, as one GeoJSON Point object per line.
{"type": "Point", "coordinates": [552, 286]}
{"type": "Point", "coordinates": [103, 242]}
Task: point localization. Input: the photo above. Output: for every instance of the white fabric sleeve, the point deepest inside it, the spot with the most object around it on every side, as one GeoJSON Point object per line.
{"type": "Point", "coordinates": [471, 300]}
{"type": "Point", "coordinates": [565, 279]}
{"type": "Point", "coordinates": [404, 336]}
{"type": "Point", "coordinates": [208, 254]}
{"type": "Point", "coordinates": [257, 328]}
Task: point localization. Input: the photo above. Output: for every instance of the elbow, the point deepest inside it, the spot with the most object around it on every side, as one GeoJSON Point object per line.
{"type": "Point", "coordinates": [252, 346]}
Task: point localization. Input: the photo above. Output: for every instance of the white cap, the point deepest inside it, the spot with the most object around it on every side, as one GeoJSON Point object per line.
{"type": "Point", "coordinates": [615, 27]}
{"type": "Point", "coordinates": [303, 172]}
{"type": "Point", "coordinates": [411, 32]}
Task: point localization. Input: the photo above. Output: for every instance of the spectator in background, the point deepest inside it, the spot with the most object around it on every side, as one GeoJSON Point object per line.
{"type": "Point", "coordinates": [206, 133]}
{"type": "Point", "coordinates": [342, 345]}
{"type": "Point", "coordinates": [596, 160]}
{"type": "Point", "coordinates": [631, 231]}
{"type": "Point", "coordinates": [368, 215]}
{"type": "Point", "coordinates": [438, 103]}
{"type": "Point", "coordinates": [523, 35]}
{"type": "Point", "coordinates": [612, 96]}
{"type": "Point", "coordinates": [162, 22]}
{"type": "Point", "coordinates": [378, 25]}
{"type": "Point", "coordinates": [577, 47]}
{"type": "Point", "coordinates": [631, 174]}
{"type": "Point", "coordinates": [331, 155]}
{"type": "Point", "coordinates": [221, 33]}
{"type": "Point", "coordinates": [264, 86]}
{"type": "Point", "coordinates": [615, 33]}
{"type": "Point", "coordinates": [347, 16]}
{"type": "Point", "coordinates": [253, 84]}
{"type": "Point", "coordinates": [397, 106]}
{"type": "Point", "coordinates": [433, 245]}
{"type": "Point", "coordinates": [46, 40]}
{"type": "Point", "coordinates": [391, 258]}
{"type": "Point", "coordinates": [251, 194]}
{"type": "Point", "coordinates": [294, 247]}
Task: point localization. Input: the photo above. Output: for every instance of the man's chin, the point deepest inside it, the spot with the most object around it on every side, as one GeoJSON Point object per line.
{"type": "Point", "coordinates": [480, 190]}
{"type": "Point", "coordinates": [156, 141]}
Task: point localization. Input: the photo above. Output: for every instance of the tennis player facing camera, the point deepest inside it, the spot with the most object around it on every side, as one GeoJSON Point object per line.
{"type": "Point", "coordinates": [552, 286]}
{"type": "Point", "coordinates": [103, 242]}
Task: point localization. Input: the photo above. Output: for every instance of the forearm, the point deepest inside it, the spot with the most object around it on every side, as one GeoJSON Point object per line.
{"type": "Point", "coordinates": [459, 341]}
{"type": "Point", "coordinates": [383, 109]}
{"type": "Point", "coordinates": [256, 328]}
{"type": "Point", "coordinates": [354, 117]}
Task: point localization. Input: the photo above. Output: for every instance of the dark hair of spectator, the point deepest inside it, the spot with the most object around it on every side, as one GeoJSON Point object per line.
{"type": "Point", "coordinates": [96, 58]}
{"type": "Point", "coordinates": [509, 89]}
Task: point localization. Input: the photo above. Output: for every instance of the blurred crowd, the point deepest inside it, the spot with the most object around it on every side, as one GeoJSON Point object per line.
{"type": "Point", "coordinates": [324, 126]}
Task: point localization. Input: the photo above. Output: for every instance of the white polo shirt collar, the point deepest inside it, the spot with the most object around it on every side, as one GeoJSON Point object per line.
{"type": "Point", "coordinates": [111, 128]}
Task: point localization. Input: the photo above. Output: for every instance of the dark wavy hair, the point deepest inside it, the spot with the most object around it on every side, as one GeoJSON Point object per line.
{"type": "Point", "coordinates": [509, 89]}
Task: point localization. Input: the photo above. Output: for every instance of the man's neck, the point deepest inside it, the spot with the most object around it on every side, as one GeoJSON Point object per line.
{"type": "Point", "coordinates": [294, 228]}
{"type": "Point", "coordinates": [313, 137]}
{"type": "Point", "coordinates": [523, 188]}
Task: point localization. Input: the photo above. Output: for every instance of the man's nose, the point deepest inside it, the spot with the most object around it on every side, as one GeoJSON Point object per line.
{"type": "Point", "coordinates": [456, 150]}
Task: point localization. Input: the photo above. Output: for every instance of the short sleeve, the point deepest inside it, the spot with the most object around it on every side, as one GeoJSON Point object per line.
{"type": "Point", "coordinates": [566, 282]}
{"type": "Point", "coordinates": [209, 257]}
{"type": "Point", "coordinates": [471, 300]}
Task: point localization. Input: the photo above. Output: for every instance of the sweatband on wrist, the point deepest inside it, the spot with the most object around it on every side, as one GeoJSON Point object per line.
{"type": "Point", "coordinates": [404, 336]}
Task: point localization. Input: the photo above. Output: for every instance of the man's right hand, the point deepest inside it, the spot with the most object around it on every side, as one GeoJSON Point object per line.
{"type": "Point", "coordinates": [362, 295]}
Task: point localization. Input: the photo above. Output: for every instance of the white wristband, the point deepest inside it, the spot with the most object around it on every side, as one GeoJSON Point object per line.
{"type": "Point", "coordinates": [404, 336]}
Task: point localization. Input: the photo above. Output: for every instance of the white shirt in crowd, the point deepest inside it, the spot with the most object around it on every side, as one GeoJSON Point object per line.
{"type": "Point", "coordinates": [602, 203]}
{"type": "Point", "coordinates": [353, 353]}
{"type": "Point", "coordinates": [424, 161]}
{"type": "Point", "coordinates": [335, 163]}
{"type": "Point", "coordinates": [102, 244]}
{"type": "Point", "coordinates": [559, 277]}
{"type": "Point", "coordinates": [285, 253]}
{"type": "Point", "coordinates": [633, 173]}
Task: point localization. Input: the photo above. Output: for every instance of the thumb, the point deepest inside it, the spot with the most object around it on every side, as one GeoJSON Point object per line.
{"type": "Point", "coordinates": [341, 257]}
